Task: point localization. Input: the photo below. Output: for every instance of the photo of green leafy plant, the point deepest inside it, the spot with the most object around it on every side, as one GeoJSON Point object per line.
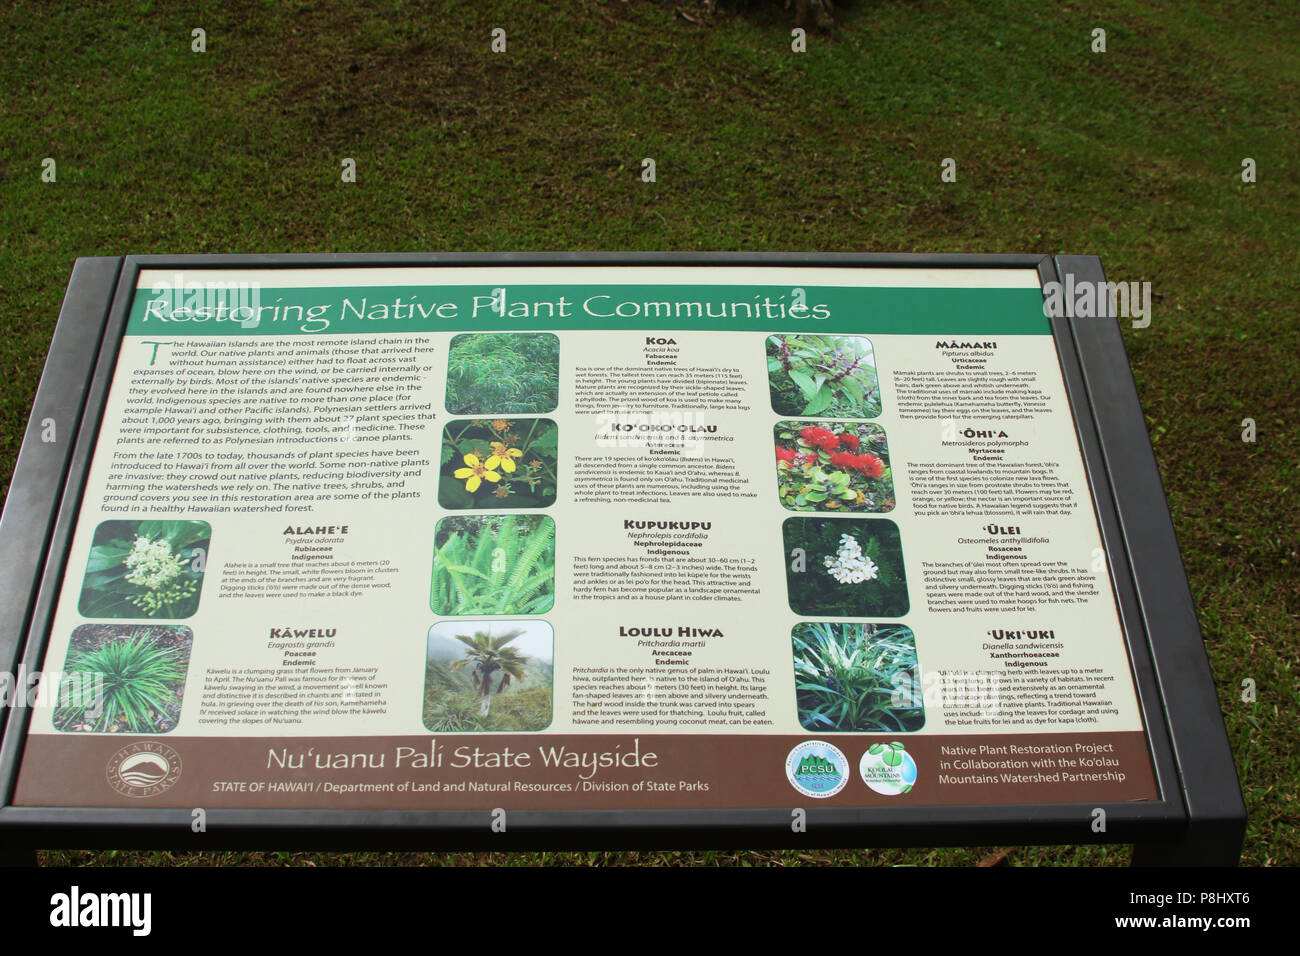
{"type": "Point", "coordinates": [845, 567]}
{"type": "Point", "coordinates": [856, 678]}
{"type": "Point", "coordinates": [145, 569]}
{"type": "Point", "coordinates": [502, 463]}
{"type": "Point", "coordinates": [830, 375]}
{"type": "Point", "coordinates": [493, 564]}
{"type": "Point", "coordinates": [503, 373]}
{"type": "Point", "coordinates": [488, 676]}
{"type": "Point", "coordinates": [832, 466]}
{"type": "Point", "coordinates": [120, 678]}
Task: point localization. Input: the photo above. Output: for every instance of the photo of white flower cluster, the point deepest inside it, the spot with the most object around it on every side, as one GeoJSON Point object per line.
{"type": "Point", "coordinates": [145, 568]}
{"type": "Point", "coordinates": [160, 572]}
{"type": "Point", "coordinates": [850, 565]}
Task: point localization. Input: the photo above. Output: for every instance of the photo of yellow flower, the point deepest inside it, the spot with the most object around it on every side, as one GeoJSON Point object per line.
{"type": "Point", "coordinates": [476, 472]}
{"type": "Point", "coordinates": [480, 463]}
{"type": "Point", "coordinates": [506, 455]}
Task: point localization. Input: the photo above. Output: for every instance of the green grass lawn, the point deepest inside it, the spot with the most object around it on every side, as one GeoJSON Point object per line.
{"type": "Point", "coordinates": [1134, 155]}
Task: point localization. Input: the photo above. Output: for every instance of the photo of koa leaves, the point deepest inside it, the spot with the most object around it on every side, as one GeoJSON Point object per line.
{"type": "Point", "coordinates": [145, 569]}
{"type": "Point", "coordinates": [503, 373]}
{"type": "Point", "coordinates": [856, 678]}
{"type": "Point", "coordinates": [489, 676]}
{"type": "Point", "coordinates": [844, 567]}
{"type": "Point", "coordinates": [830, 375]}
{"type": "Point", "coordinates": [498, 463]}
{"type": "Point", "coordinates": [833, 466]}
{"type": "Point", "coordinates": [120, 678]}
{"type": "Point", "coordinates": [493, 564]}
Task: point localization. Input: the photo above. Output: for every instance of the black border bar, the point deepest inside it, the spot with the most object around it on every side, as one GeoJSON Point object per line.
{"type": "Point", "coordinates": [34, 490]}
{"type": "Point", "coordinates": [1207, 777]}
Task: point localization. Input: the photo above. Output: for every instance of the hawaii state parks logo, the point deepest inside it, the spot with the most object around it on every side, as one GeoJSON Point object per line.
{"type": "Point", "coordinates": [888, 769]}
{"type": "Point", "coordinates": [817, 769]}
{"type": "Point", "coordinates": [144, 769]}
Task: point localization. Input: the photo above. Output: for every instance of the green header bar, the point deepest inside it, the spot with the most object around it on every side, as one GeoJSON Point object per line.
{"type": "Point", "coordinates": [199, 310]}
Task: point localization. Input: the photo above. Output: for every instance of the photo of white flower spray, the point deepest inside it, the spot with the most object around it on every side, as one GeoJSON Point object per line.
{"type": "Point", "coordinates": [159, 573]}
{"type": "Point", "coordinates": [850, 565]}
{"type": "Point", "coordinates": [139, 569]}
{"type": "Point", "coordinates": [845, 567]}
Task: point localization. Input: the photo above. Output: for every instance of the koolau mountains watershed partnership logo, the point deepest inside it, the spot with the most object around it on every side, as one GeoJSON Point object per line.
{"type": "Point", "coordinates": [888, 769]}
{"type": "Point", "coordinates": [144, 769]}
{"type": "Point", "coordinates": [817, 769]}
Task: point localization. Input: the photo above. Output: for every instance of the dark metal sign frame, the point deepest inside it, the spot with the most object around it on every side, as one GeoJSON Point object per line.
{"type": "Point", "coordinates": [1200, 817]}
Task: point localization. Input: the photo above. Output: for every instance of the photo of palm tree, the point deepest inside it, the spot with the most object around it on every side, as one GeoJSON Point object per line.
{"type": "Point", "coordinates": [488, 676]}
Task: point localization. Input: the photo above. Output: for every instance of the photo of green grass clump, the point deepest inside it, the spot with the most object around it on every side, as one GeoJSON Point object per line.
{"type": "Point", "coordinates": [125, 679]}
{"type": "Point", "coordinates": [857, 678]}
{"type": "Point", "coordinates": [1135, 155]}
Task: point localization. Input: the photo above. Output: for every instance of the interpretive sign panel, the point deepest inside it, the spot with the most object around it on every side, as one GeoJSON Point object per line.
{"type": "Point", "coordinates": [590, 535]}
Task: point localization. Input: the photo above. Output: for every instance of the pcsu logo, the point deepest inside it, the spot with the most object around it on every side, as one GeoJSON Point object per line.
{"type": "Point", "coordinates": [817, 769]}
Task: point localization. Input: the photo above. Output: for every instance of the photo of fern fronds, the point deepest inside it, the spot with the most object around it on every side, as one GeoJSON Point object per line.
{"type": "Point", "coordinates": [493, 564]}
{"type": "Point", "coordinates": [856, 678]}
{"type": "Point", "coordinates": [145, 569]}
{"type": "Point", "coordinates": [498, 463]}
{"type": "Point", "coordinates": [488, 675]}
{"type": "Point", "coordinates": [123, 678]}
{"type": "Point", "coordinates": [503, 373]}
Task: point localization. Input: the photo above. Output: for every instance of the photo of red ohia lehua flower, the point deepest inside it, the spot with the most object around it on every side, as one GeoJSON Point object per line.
{"type": "Point", "coordinates": [833, 466]}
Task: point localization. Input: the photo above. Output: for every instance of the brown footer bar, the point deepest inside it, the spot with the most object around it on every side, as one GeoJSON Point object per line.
{"type": "Point", "coordinates": [608, 771]}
